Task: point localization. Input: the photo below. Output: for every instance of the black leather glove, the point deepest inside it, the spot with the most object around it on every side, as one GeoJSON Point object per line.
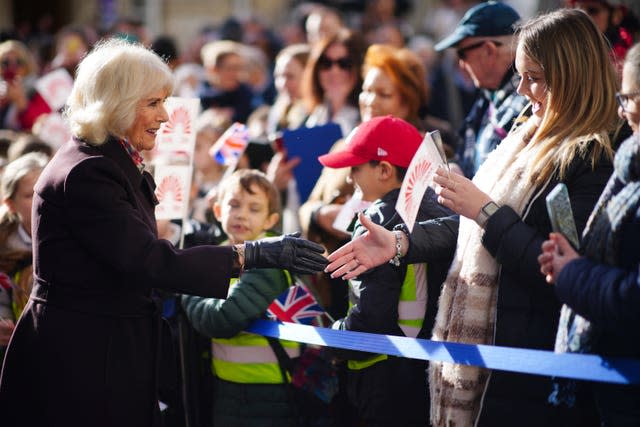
{"type": "Point", "coordinates": [287, 252]}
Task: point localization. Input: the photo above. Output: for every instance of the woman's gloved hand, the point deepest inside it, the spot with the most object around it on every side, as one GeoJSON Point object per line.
{"type": "Point", "coordinates": [288, 252]}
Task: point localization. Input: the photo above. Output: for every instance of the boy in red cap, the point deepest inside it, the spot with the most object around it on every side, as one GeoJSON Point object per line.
{"type": "Point", "coordinates": [392, 299]}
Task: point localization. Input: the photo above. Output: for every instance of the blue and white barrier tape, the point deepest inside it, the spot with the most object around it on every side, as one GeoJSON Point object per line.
{"type": "Point", "coordinates": [538, 362]}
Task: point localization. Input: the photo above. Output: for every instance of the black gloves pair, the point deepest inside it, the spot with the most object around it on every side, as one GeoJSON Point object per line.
{"type": "Point", "coordinates": [287, 252]}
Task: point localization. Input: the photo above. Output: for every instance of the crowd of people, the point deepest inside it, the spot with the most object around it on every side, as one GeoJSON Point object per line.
{"type": "Point", "coordinates": [109, 316]}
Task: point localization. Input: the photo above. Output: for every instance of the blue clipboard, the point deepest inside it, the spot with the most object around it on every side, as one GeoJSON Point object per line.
{"type": "Point", "coordinates": [308, 144]}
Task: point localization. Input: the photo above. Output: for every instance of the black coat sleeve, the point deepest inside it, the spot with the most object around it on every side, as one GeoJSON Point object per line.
{"type": "Point", "coordinates": [433, 241]}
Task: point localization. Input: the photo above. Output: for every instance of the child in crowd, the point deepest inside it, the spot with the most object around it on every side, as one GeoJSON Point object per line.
{"type": "Point", "coordinates": [250, 388]}
{"type": "Point", "coordinates": [390, 299]}
{"type": "Point", "coordinates": [16, 273]}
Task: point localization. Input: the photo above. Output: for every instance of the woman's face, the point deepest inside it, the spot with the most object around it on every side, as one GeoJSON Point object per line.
{"type": "Point", "coordinates": [630, 97]}
{"type": "Point", "coordinates": [337, 73]}
{"type": "Point", "coordinates": [533, 85]}
{"type": "Point", "coordinates": [380, 97]}
{"type": "Point", "coordinates": [288, 74]}
{"type": "Point", "coordinates": [150, 114]}
{"type": "Point", "coordinates": [22, 199]}
{"type": "Point", "coordinates": [12, 65]}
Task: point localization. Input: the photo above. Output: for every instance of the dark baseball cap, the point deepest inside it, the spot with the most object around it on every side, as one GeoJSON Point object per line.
{"type": "Point", "coordinates": [483, 20]}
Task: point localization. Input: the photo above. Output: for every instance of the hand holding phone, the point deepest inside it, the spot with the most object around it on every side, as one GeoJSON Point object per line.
{"type": "Point", "coordinates": [561, 214]}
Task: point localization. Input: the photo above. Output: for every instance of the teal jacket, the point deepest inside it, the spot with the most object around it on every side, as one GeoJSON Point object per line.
{"type": "Point", "coordinates": [247, 301]}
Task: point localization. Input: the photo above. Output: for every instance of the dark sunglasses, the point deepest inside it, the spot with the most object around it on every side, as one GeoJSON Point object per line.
{"type": "Point", "coordinates": [462, 52]}
{"type": "Point", "coordinates": [343, 63]}
{"type": "Point", "coordinates": [6, 63]}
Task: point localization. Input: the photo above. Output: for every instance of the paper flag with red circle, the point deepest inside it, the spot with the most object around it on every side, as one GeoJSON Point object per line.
{"type": "Point", "coordinates": [419, 176]}
{"type": "Point", "coordinates": [178, 134]}
{"type": "Point", "coordinates": [173, 184]}
{"type": "Point", "coordinates": [55, 87]}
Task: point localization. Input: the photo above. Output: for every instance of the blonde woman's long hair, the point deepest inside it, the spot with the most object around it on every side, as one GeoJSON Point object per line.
{"type": "Point", "coordinates": [581, 84]}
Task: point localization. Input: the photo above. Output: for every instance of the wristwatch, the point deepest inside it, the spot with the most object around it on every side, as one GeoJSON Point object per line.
{"type": "Point", "coordinates": [486, 211]}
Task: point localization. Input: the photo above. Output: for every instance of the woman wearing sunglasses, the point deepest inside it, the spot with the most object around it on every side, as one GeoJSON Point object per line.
{"type": "Point", "coordinates": [332, 80]}
{"type": "Point", "coordinates": [19, 103]}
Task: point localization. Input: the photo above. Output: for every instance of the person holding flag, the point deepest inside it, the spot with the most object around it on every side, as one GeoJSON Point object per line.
{"type": "Point", "coordinates": [494, 292]}
{"type": "Point", "coordinates": [250, 387]}
{"type": "Point", "coordinates": [394, 298]}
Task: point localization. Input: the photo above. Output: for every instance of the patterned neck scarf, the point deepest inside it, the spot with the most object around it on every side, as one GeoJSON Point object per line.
{"type": "Point", "coordinates": [137, 158]}
{"type": "Point", "coordinates": [467, 304]}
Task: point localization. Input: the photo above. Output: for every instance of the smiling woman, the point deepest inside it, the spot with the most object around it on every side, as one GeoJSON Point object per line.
{"type": "Point", "coordinates": [494, 292]}
{"type": "Point", "coordinates": [150, 113]}
{"type": "Point", "coordinates": [86, 348]}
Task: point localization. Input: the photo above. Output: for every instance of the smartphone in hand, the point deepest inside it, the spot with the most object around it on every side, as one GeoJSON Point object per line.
{"type": "Point", "coordinates": [561, 214]}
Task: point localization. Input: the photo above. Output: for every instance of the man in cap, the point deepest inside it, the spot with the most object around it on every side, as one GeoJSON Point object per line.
{"type": "Point", "coordinates": [486, 46]}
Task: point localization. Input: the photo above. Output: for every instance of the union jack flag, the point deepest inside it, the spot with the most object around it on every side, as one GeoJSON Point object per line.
{"type": "Point", "coordinates": [230, 146]}
{"type": "Point", "coordinates": [297, 305]}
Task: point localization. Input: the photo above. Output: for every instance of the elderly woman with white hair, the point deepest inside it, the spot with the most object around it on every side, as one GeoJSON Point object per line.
{"type": "Point", "coordinates": [85, 350]}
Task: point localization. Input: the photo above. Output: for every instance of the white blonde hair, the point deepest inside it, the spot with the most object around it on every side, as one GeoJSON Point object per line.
{"type": "Point", "coordinates": [110, 81]}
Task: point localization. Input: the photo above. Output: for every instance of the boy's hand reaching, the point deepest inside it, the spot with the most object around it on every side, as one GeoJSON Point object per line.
{"type": "Point", "coordinates": [288, 252]}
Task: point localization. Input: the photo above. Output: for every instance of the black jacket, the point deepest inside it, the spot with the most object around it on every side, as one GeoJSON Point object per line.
{"type": "Point", "coordinates": [527, 307]}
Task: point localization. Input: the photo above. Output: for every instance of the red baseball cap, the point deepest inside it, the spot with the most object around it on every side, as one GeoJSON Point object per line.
{"type": "Point", "coordinates": [381, 138]}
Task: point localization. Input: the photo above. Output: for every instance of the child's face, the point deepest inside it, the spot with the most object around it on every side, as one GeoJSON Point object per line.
{"type": "Point", "coordinates": [22, 199]}
{"type": "Point", "coordinates": [244, 216]}
{"type": "Point", "coordinates": [365, 177]}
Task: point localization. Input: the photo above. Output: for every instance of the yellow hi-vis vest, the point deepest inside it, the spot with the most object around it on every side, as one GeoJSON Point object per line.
{"type": "Point", "coordinates": [411, 309]}
{"type": "Point", "coordinates": [248, 358]}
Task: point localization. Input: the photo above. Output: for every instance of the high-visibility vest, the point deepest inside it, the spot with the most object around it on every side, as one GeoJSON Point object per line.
{"type": "Point", "coordinates": [248, 358]}
{"type": "Point", "coordinates": [411, 309]}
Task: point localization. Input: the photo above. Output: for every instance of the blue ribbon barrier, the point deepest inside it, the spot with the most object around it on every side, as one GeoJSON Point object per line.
{"type": "Point", "coordinates": [588, 367]}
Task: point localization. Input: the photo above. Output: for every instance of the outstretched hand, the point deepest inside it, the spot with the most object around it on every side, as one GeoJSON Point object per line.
{"type": "Point", "coordinates": [556, 253]}
{"type": "Point", "coordinates": [288, 252]}
{"type": "Point", "coordinates": [369, 250]}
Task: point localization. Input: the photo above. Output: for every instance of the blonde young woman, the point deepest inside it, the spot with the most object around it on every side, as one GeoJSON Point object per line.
{"type": "Point", "coordinates": [494, 292]}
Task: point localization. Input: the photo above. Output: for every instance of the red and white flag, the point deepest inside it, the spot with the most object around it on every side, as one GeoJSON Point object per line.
{"type": "Point", "coordinates": [419, 176]}
{"type": "Point", "coordinates": [55, 87]}
{"type": "Point", "coordinates": [172, 190]}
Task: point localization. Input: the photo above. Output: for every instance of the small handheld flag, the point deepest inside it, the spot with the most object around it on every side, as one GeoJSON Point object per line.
{"type": "Point", "coordinates": [297, 305]}
{"type": "Point", "coordinates": [230, 146]}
